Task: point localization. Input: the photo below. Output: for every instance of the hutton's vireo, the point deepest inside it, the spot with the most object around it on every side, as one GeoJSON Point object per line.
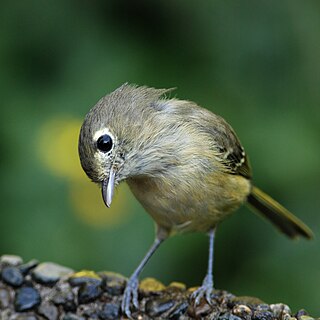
{"type": "Point", "coordinates": [183, 163]}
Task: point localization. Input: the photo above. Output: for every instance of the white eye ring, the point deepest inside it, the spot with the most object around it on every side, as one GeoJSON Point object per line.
{"type": "Point", "coordinates": [100, 134]}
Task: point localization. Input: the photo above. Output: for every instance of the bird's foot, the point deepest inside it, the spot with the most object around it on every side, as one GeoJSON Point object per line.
{"type": "Point", "coordinates": [130, 295]}
{"type": "Point", "coordinates": [204, 291]}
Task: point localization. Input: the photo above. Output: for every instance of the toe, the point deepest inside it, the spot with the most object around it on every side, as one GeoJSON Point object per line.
{"type": "Point", "coordinates": [130, 295]}
{"type": "Point", "coordinates": [208, 296]}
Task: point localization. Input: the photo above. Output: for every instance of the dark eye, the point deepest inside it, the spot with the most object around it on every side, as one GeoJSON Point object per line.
{"type": "Point", "coordinates": [104, 143]}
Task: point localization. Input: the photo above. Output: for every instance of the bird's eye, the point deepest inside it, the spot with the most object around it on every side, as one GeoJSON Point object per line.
{"type": "Point", "coordinates": [104, 143]}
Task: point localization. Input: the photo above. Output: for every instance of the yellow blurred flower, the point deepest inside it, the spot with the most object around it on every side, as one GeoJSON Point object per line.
{"type": "Point", "coordinates": [62, 160]}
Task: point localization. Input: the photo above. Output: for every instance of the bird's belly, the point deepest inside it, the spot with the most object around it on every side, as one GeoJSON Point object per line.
{"type": "Point", "coordinates": [182, 209]}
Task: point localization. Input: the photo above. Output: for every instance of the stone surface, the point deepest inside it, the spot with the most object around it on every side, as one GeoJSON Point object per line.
{"type": "Point", "coordinates": [62, 295]}
{"type": "Point", "coordinates": [242, 311]}
{"type": "Point", "coordinates": [12, 276]}
{"type": "Point", "coordinates": [53, 293]}
{"type": "Point", "coordinates": [49, 272]}
{"type": "Point", "coordinates": [10, 260]}
{"type": "Point", "coordinates": [84, 277]}
{"type": "Point", "coordinates": [179, 310]}
{"type": "Point", "coordinates": [27, 298]}
{"type": "Point", "coordinates": [4, 299]}
{"type": "Point", "coordinates": [27, 267]}
{"type": "Point", "coordinates": [49, 311]}
{"type": "Point", "coordinates": [156, 308]}
{"type": "Point", "coordinates": [113, 283]}
{"type": "Point", "coordinates": [110, 311]}
{"type": "Point", "coordinates": [151, 284]}
{"type": "Point", "coordinates": [89, 292]}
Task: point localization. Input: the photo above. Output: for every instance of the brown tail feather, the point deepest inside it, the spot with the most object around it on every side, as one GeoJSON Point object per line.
{"type": "Point", "coordinates": [278, 215]}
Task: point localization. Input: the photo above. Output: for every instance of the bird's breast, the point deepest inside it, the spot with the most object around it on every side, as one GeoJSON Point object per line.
{"type": "Point", "coordinates": [195, 204]}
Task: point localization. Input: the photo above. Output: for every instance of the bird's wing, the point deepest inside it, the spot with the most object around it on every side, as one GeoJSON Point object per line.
{"type": "Point", "coordinates": [229, 147]}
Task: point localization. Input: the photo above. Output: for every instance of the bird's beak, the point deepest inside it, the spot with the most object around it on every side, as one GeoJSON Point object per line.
{"type": "Point", "coordinates": [108, 188]}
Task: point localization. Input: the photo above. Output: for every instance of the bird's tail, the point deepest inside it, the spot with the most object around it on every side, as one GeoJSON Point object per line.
{"type": "Point", "coordinates": [284, 220]}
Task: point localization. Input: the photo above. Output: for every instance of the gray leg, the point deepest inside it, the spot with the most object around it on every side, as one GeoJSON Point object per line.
{"type": "Point", "coordinates": [131, 290]}
{"type": "Point", "coordinates": [207, 284]}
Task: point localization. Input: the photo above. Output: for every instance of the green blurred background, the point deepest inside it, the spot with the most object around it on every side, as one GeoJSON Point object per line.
{"type": "Point", "coordinates": [256, 63]}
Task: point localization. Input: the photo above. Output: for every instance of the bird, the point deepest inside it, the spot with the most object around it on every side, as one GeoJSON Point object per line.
{"type": "Point", "coordinates": [182, 162]}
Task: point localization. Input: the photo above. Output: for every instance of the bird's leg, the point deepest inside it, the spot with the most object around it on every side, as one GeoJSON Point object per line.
{"type": "Point", "coordinates": [131, 290]}
{"type": "Point", "coordinates": [207, 284]}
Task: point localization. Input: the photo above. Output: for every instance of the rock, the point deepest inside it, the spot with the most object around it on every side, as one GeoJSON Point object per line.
{"type": "Point", "coordinates": [23, 317]}
{"type": "Point", "coordinates": [4, 298]}
{"type": "Point", "coordinates": [201, 310]}
{"type": "Point", "coordinates": [155, 308]}
{"type": "Point", "coordinates": [89, 311]}
{"type": "Point", "coordinates": [10, 260]}
{"type": "Point", "coordinates": [70, 316]}
{"type": "Point", "coordinates": [113, 283]}
{"type": "Point", "coordinates": [300, 313]}
{"type": "Point", "coordinates": [280, 309]}
{"type": "Point", "coordinates": [63, 295]}
{"type": "Point", "coordinates": [83, 277]}
{"type": "Point", "coordinates": [247, 300]}
{"type": "Point", "coordinates": [263, 307]}
{"type": "Point", "coordinates": [110, 311]}
{"type": "Point", "coordinates": [12, 276]}
{"type": "Point", "coordinates": [49, 311]}
{"type": "Point", "coordinates": [27, 298]}
{"type": "Point", "coordinates": [177, 285]}
{"type": "Point", "coordinates": [179, 310]}
{"type": "Point", "coordinates": [151, 285]}
{"type": "Point", "coordinates": [89, 292]}
{"type": "Point", "coordinates": [228, 316]}
{"type": "Point", "coordinates": [25, 268]}
{"type": "Point", "coordinates": [49, 273]}
{"type": "Point", "coordinates": [242, 311]}
{"type": "Point", "coordinates": [262, 315]}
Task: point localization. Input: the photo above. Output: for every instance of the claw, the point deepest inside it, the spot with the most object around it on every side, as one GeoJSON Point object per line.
{"type": "Point", "coordinates": [130, 295]}
{"type": "Point", "coordinates": [204, 291]}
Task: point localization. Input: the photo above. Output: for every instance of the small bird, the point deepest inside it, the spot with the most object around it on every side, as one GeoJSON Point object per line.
{"type": "Point", "coordinates": [183, 163]}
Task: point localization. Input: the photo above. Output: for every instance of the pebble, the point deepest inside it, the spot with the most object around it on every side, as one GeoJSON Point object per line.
{"type": "Point", "coordinates": [110, 311]}
{"type": "Point", "coordinates": [179, 310]}
{"type": "Point", "coordinates": [151, 285]}
{"type": "Point", "coordinates": [262, 315]}
{"type": "Point", "coordinates": [89, 311]}
{"type": "Point", "coordinates": [114, 283]}
{"type": "Point", "coordinates": [49, 273]}
{"type": "Point", "coordinates": [12, 276]}
{"type": "Point", "coordinates": [89, 292]}
{"type": "Point", "coordinates": [63, 295]}
{"type": "Point", "coordinates": [155, 308]}
{"type": "Point", "coordinates": [4, 299]}
{"type": "Point", "coordinates": [177, 285]}
{"type": "Point", "coordinates": [83, 277]}
{"type": "Point", "coordinates": [25, 268]}
{"type": "Point", "coordinates": [306, 318]}
{"type": "Point", "coordinates": [10, 260]}
{"type": "Point", "coordinates": [242, 311]}
{"type": "Point", "coordinates": [23, 317]}
{"type": "Point", "coordinates": [97, 296]}
{"type": "Point", "coordinates": [301, 312]}
{"type": "Point", "coordinates": [202, 309]}
{"type": "Point", "coordinates": [280, 309]}
{"type": "Point", "coordinates": [263, 307]}
{"type": "Point", "coordinates": [48, 310]}
{"type": "Point", "coordinates": [26, 298]}
{"type": "Point", "coordinates": [70, 316]}
{"type": "Point", "coordinates": [228, 316]}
